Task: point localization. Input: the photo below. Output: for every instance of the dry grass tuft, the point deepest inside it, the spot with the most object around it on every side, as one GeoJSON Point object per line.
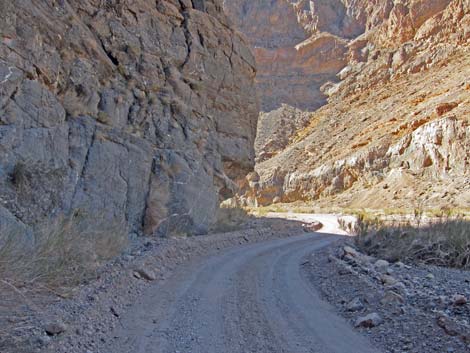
{"type": "Point", "coordinates": [63, 254]}
{"type": "Point", "coordinates": [230, 219]}
{"type": "Point", "coordinates": [443, 242]}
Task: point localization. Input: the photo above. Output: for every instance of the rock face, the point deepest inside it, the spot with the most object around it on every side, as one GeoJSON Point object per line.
{"type": "Point", "coordinates": [293, 62]}
{"type": "Point", "coordinates": [395, 131]}
{"type": "Point", "coordinates": [277, 130]}
{"type": "Point", "coordinates": [137, 110]}
{"type": "Point", "coordinates": [301, 45]}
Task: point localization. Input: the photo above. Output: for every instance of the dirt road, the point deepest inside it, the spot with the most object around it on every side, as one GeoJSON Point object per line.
{"type": "Point", "coordinates": [252, 298]}
{"type": "Point", "coordinates": [329, 221]}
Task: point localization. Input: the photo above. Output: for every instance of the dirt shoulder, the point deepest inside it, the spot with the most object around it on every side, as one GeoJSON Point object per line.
{"type": "Point", "coordinates": [84, 322]}
{"type": "Point", "coordinates": [418, 309]}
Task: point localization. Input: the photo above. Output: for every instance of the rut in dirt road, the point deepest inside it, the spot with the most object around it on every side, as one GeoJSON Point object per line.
{"type": "Point", "coordinates": [250, 299]}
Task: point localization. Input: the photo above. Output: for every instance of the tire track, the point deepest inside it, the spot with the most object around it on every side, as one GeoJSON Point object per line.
{"type": "Point", "coordinates": [250, 299]}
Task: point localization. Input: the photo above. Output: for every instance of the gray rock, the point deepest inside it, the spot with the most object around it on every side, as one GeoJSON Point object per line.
{"type": "Point", "coordinates": [400, 264]}
{"type": "Point", "coordinates": [459, 299]}
{"type": "Point", "coordinates": [355, 305]}
{"type": "Point", "coordinates": [381, 265]}
{"type": "Point", "coordinates": [349, 258]}
{"type": "Point", "coordinates": [442, 299]}
{"type": "Point", "coordinates": [133, 130]}
{"type": "Point", "coordinates": [345, 270]}
{"type": "Point", "coordinates": [369, 321]}
{"type": "Point", "coordinates": [43, 340]}
{"type": "Point", "coordinates": [391, 297]}
{"type": "Point", "coordinates": [388, 280]}
{"type": "Point", "coordinates": [448, 325]}
{"type": "Point", "coordinates": [349, 251]}
{"type": "Point", "coordinates": [55, 328]}
{"type": "Point", "coordinates": [146, 273]}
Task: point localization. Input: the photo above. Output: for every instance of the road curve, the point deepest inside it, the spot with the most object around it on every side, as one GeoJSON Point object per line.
{"type": "Point", "coordinates": [329, 221]}
{"type": "Point", "coordinates": [250, 299]}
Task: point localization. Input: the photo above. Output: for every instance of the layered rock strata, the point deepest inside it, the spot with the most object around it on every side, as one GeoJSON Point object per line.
{"type": "Point", "coordinates": [395, 131]}
{"type": "Point", "coordinates": [302, 45]}
{"type": "Point", "coordinates": [293, 63]}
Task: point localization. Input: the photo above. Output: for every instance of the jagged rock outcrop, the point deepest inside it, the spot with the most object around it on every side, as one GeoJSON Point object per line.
{"type": "Point", "coordinates": [395, 130]}
{"type": "Point", "coordinates": [408, 37]}
{"type": "Point", "coordinates": [277, 130]}
{"type": "Point", "coordinates": [137, 110]}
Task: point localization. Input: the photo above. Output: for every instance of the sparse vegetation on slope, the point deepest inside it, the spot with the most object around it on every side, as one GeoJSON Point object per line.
{"type": "Point", "coordinates": [231, 219]}
{"type": "Point", "coordinates": [62, 255]}
{"type": "Point", "coordinates": [443, 242]}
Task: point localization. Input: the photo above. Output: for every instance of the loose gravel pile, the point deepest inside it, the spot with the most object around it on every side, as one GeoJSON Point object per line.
{"type": "Point", "coordinates": [402, 308]}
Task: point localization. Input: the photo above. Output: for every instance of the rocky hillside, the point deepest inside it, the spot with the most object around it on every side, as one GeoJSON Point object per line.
{"type": "Point", "coordinates": [396, 129]}
{"type": "Point", "coordinates": [300, 45]}
{"type": "Point", "coordinates": [137, 110]}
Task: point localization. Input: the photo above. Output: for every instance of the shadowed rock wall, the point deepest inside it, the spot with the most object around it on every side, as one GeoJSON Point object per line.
{"type": "Point", "coordinates": [138, 110]}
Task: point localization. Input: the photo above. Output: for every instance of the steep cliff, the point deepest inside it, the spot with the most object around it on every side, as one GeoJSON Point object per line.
{"type": "Point", "coordinates": [301, 45]}
{"type": "Point", "coordinates": [395, 131]}
{"type": "Point", "coordinates": [138, 110]}
{"type": "Point", "coordinates": [292, 63]}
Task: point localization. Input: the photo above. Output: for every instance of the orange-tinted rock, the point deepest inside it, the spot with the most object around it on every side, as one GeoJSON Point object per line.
{"type": "Point", "coordinates": [302, 45]}
{"type": "Point", "coordinates": [443, 108]}
{"type": "Point", "coordinates": [394, 131]}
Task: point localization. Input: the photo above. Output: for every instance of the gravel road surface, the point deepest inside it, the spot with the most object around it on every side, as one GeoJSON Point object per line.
{"type": "Point", "coordinates": [252, 298]}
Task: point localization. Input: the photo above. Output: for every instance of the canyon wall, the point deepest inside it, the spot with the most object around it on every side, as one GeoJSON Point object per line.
{"type": "Point", "coordinates": [301, 45]}
{"type": "Point", "coordinates": [143, 111]}
{"type": "Point", "coordinates": [292, 63]}
{"type": "Point", "coordinates": [394, 131]}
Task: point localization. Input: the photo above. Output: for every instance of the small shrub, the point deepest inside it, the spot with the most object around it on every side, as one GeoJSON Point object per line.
{"type": "Point", "coordinates": [123, 71]}
{"type": "Point", "coordinates": [231, 219]}
{"type": "Point", "coordinates": [445, 242]}
{"type": "Point", "coordinates": [19, 174]}
{"type": "Point", "coordinates": [262, 212]}
{"type": "Point", "coordinates": [103, 118]}
{"type": "Point", "coordinates": [34, 189]}
{"type": "Point", "coordinates": [265, 210]}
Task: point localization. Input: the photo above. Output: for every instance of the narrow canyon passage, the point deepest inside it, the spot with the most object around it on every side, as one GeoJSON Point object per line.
{"type": "Point", "coordinates": [165, 166]}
